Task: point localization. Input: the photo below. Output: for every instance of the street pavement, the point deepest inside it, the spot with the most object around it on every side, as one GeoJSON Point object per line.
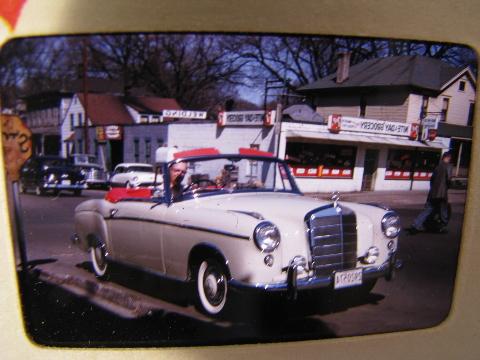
{"type": "Point", "coordinates": [130, 297]}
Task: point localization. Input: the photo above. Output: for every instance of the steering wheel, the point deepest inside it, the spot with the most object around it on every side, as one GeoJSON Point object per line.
{"type": "Point", "coordinates": [191, 186]}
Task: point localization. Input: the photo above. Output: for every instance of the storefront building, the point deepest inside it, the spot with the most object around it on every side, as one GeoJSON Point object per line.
{"type": "Point", "coordinates": [359, 155]}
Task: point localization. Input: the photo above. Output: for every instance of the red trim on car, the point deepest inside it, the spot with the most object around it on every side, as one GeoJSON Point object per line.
{"type": "Point", "coordinates": [117, 194]}
{"type": "Point", "coordinates": [254, 152]}
{"type": "Point", "coordinates": [196, 152]}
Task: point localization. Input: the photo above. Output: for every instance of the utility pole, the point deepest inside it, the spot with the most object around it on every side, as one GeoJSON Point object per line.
{"type": "Point", "coordinates": [85, 93]}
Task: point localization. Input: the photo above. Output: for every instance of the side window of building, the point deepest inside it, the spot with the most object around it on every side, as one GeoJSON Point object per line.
{"type": "Point", "coordinates": [363, 106]}
{"type": "Point", "coordinates": [461, 86]}
{"type": "Point", "coordinates": [72, 121]}
{"type": "Point", "coordinates": [424, 108]}
{"type": "Point", "coordinates": [445, 105]}
{"type": "Point", "coordinates": [80, 119]}
{"type": "Point", "coordinates": [148, 150]}
{"type": "Point", "coordinates": [470, 114]}
{"type": "Point", "coordinates": [136, 150]}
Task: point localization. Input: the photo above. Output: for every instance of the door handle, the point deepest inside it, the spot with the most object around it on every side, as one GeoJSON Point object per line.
{"type": "Point", "coordinates": [113, 212]}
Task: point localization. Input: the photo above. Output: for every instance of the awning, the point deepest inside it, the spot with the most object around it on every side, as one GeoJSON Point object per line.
{"type": "Point", "coordinates": [354, 138]}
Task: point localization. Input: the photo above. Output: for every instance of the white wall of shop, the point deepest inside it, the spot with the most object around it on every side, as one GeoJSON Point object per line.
{"type": "Point", "coordinates": [228, 139]}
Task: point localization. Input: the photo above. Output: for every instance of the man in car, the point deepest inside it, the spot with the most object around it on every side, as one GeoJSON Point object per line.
{"type": "Point", "coordinates": [177, 173]}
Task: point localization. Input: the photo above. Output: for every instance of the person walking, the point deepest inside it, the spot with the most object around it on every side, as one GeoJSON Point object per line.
{"type": "Point", "coordinates": [437, 199]}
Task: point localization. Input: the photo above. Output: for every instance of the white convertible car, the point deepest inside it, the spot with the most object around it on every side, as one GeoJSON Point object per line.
{"type": "Point", "coordinates": [240, 222]}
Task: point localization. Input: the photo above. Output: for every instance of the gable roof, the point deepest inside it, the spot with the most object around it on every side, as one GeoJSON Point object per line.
{"type": "Point", "coordinates": [151, 104]}
{"type": "Point", "coordinates": [413, 71]}
{"type": "Point", "coordinates": [106, 109]}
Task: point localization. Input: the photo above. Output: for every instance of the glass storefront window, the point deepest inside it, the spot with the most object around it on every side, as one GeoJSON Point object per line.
{"type": "Point", "coordinates": [321, 160]}
{"type": "Point", "coordinates": [402, 164]}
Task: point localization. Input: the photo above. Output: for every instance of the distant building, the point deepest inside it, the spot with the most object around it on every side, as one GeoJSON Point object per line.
{"type": "Point", "coordinates": [404, 89]}
{"type": "Point", "coordinates": [45, 111]}
{"type": "Point", "coordinates": [111, 121]}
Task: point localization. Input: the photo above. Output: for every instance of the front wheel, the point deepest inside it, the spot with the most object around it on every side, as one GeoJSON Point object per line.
{"type": "Point", "coordinates": [211, 287]}
{"type": "Point", "coordinates": [98, 257]}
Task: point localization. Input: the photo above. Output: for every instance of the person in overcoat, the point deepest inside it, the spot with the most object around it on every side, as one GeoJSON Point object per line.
{"type": "Point", "coordinates": [437, 199]}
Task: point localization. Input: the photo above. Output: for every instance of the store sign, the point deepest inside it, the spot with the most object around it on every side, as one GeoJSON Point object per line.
{"type": "Point", "coordinates": [100, 134]}
{"type": "Point", "coordinates": [337, 123]}
{"type": "Point", "coordinates": [185, 114]}
{"type": "Point", "coordinates": [429, 129]}
{"type": "Point", "coordinates": [113, 132]}
{"type": "Point", "coordinates": [245, 118]}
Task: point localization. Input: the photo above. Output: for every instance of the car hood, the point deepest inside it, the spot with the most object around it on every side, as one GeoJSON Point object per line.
{"type": "Point", "coordinates": [265, 204]}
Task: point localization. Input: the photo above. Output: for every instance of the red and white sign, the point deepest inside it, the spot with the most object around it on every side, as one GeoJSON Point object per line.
{"type": "Point", "coordinates": [113, 132]}
{"type": "Point", "coordinates": [246, 118]}
{"type": "Point", "coordinates": [405, 175]}
{"type": "Point", "coordinates": [337, 123]}
{"type": "Point", "coordinates": [320, 171]}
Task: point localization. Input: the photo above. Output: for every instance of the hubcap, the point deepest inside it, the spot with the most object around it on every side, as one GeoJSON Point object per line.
{"type": "Point", "coordinates": [214, 286]}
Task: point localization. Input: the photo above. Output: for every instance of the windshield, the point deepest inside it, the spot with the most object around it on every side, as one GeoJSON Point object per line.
{"type": "Point", "coordinates": [55, 162]}
{"type": "Point", "coordinates": [221, 175]}
{"type": "Point", "coordinates": [140, 169]}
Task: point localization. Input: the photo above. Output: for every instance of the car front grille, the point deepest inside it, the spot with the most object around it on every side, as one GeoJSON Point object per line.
{"type": "Point", "coordinates": [333, 239]}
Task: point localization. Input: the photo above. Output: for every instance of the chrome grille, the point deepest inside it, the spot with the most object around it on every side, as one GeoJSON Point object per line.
{"type": "Point", "coordinates": [333, 239]}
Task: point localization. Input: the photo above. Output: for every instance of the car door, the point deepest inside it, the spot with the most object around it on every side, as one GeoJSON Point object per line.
{"type": "Point", "coordinates": [136, 231]}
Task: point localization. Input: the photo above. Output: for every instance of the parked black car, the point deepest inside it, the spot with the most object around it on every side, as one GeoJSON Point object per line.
{"type": "Point", "coordinates": [50, 173]}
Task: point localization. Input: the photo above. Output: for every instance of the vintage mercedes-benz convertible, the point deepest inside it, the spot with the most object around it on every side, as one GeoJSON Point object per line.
{"type": "Point", "coordinates": [240, 221]}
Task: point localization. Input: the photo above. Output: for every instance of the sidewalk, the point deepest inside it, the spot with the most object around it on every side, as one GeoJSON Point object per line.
{"type": "Point", "coordinates": [398, 199]}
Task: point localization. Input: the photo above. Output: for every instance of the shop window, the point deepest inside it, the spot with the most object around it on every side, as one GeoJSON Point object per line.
{"type": "Point", "coordinates": [321, 160]}
{"type": "Point", "coordinates": [408, 164]}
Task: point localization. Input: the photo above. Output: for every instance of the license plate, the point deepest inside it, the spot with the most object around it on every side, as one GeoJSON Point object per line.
{"type": "Point", "coordinates": [347, 278]}
{"type": "Point", "coordinates": [66, 182]}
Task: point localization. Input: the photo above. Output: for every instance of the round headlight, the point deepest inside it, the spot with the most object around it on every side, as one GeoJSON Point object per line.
{"type": "Point", "coordinates": [391, 225]}
{"type": "Point", "coordinates": [266, 236]}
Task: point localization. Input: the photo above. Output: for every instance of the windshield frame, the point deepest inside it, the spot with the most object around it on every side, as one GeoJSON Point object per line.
{"type": "Point", "coordinates": [237, 157]}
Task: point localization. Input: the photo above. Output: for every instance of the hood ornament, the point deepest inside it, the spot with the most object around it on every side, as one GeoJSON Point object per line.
{"type": "Point", "coordinates": [335, 198]}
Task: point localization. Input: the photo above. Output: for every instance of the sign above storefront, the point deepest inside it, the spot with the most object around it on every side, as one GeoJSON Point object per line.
{"type": "Point", "coordinates": [337, 123]}
{"type": "Point", "coordinates": [113, 132]}
{"type": "Point", "coordinates": [245, 118]}
{"type": "Point", "coordinates": [185, 114]}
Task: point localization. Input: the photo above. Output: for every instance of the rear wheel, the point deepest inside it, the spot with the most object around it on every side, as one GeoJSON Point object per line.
{"type": "Point", "coordinates": [98, 257]}
{"type": "Point", "coordinates": [211, 287]}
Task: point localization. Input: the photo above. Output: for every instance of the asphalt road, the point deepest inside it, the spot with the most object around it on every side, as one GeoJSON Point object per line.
{"type": "Point", "coordinates": [65, 305]}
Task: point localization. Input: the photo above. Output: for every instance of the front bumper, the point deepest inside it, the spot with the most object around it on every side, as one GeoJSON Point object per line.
{"type": "Point", "coordinates": [294, 284]}
{"type": "Point", "coordinates": [60, 186]}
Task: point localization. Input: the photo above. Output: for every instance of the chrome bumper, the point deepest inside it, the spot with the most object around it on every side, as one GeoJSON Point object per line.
{"type": "Point", "coordinates": [294, 284]}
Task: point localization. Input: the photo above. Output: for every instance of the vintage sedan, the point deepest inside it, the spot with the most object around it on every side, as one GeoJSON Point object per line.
{"type": "Point", "coordinates": [241, 222]}
{"type": "Point", "coordinates": [132, 175]}
{"type": "Point", "coordinates": [53, 174]}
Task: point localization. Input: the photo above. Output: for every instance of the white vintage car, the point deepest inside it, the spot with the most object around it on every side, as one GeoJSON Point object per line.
{"type": "Point", "coordinates": [240, 222]}
{"type": "Point", "coordinates": [132, 175]}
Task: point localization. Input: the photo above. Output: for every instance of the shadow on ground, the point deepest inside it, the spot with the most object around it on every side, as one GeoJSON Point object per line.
{"type": "Point", "coordinates": [56, 317]}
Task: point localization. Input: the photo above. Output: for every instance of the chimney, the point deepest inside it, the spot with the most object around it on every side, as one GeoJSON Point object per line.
{"type": "Point", "coordinates": [343, 66]}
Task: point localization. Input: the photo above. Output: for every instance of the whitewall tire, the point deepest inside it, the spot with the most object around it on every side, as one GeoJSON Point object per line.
{"type": "Point", "coordinates": [98, 254]}
{"type": "Point", "coordinates": [211, 287]}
